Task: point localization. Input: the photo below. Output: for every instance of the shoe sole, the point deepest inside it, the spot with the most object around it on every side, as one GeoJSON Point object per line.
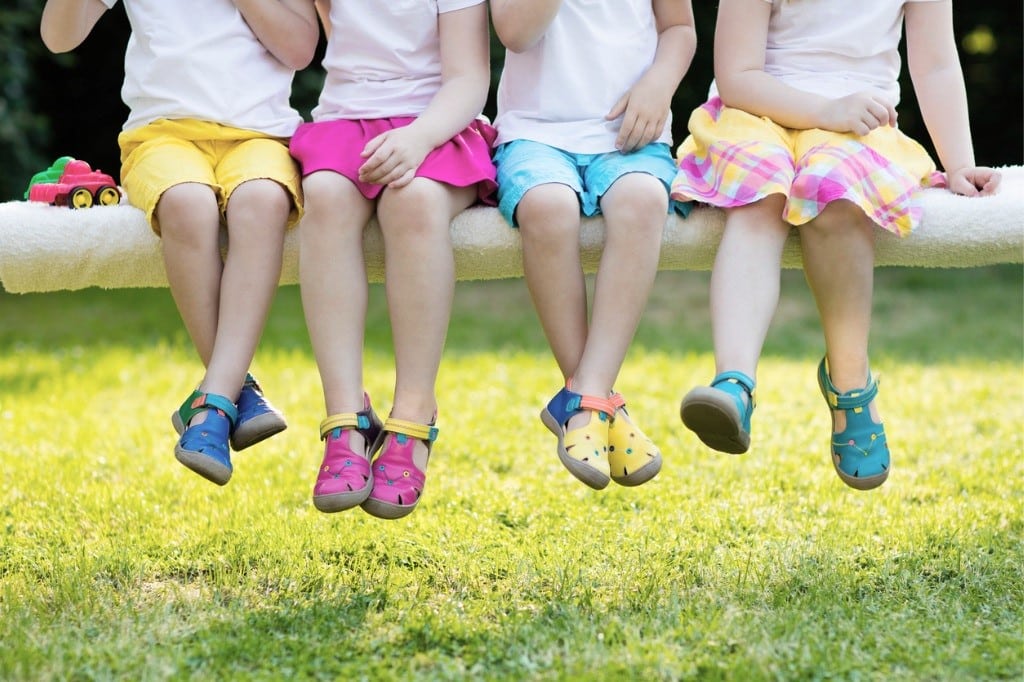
{"type": "Point", "coordinates": [204, 465]}
{"type": "Point", "coordinates": [257, 429]}
{"type": "Point", "coordinates": [860, 483]}
{"type": "Point", "coordinates": [387, 510]}
{"type": "Point", "coordinates": [338, 502]}
{"type": "Point", "coordinates": [585, 473]}
{"type": "Point", "coordinates": [253, 431]}
{"type": "Point", "coordinates": [641, 475]}
{"type": "Point", "coordinates": [713, 416]}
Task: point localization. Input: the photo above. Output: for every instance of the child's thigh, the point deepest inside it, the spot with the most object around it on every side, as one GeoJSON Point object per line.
{"type": "Point", "coordinates": [158, 164]}
{"type": "Point", "coordinates": [261, 159]}
{"type": "Point", "coordinates": [523, 165]}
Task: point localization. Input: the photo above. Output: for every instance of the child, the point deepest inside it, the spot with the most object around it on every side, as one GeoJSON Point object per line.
{"type": "Point", "coordinates": [801, 131]}
{"type": "Point", "coordinates": [396, 130]}
{"type": "Point", "coordinates": [584, 126]}
{"type": "Point", "coordinates": [207, 83]}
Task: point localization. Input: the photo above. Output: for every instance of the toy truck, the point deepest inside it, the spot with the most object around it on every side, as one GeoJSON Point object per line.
{"type": "Point", "coordinates": [73, 183]}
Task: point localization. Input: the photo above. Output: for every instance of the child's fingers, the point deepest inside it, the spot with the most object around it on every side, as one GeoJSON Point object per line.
{"type": "Point", "coordinates": [619, 109]}
{"type": "Point", "coordinates": [372, 146]}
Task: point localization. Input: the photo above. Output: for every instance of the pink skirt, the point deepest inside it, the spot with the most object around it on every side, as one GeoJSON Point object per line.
{"type": "Point", "coordinates": [463, 161]}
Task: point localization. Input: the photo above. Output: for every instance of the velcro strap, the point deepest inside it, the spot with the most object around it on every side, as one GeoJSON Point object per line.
{"type": "Point", "coordinates": [427, 432]}
{"type": "Point", "coordinates": [590, 402]}
{"type": "Point", "coordinates": [617, 401]}
{"type": "Point", "coordinates": [345, 420]}
{"type": "Point", "coordinates": [198, 401]}
{"type": "Point", "coordinates": [740, 379]}
{"type": "Point", "coordinates": [851, 400]}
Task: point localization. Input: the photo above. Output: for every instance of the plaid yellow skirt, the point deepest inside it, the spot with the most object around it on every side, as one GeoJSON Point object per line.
{"type": "Point", "coordinates": [732, 158]}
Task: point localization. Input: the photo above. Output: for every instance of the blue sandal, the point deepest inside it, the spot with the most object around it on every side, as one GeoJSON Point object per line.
{"type": "Point", "coordinates": [203, 448]}
{"type": "Point", "coordinates": [719, 415]}
{"type": "Point", "coordinates": [860, 453]}
{"type": "Point", "coordinates": [257, 418]}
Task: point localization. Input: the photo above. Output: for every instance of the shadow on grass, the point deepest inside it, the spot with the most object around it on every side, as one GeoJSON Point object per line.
{"type": "Point", "coordinates": [919, 314]}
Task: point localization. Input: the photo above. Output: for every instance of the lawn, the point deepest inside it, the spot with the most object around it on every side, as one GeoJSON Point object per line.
{"type": "Point", "coordinates": [118, 563]}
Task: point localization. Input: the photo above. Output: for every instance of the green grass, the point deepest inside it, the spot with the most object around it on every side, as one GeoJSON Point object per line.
{"type": "Point", "coordinates": [117, 563]}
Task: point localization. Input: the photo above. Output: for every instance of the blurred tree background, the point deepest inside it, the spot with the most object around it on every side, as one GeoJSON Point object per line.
{"type": "Point", "coordinates": [54, 105]}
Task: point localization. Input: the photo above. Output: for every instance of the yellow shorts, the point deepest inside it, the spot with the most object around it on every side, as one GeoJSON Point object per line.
{"type": "Point", "coordinates": [166, 153]}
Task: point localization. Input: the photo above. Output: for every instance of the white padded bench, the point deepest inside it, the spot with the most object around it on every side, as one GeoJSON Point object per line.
{"type": "Point", "coordinates": [46, 248]}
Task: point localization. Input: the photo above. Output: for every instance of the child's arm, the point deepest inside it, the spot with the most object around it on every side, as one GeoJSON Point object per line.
{"type": "Point", "coordinates": [287, 28]}
{"type": "Point", "coordinates": [645, 107]}
{"type": "Point", "coordinates": [66, 23]}
{"type": "Point", "coordinates": [741, 37]}
{"type": "Point", "coordinates": [519, 24]}
{"type": "Point", "coordinates": [393, 157]}
{"type": "Point", "coordinates": [942, 97]}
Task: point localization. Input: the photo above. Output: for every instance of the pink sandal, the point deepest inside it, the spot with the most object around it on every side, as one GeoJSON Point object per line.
{"type": "Point", "coordinates": [344, 480]}
{"type": "Point", "coordinates": [397, 482]}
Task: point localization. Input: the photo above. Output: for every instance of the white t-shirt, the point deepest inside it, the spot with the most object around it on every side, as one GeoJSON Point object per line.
{"type": "Point", "coordinates": [383, 59]}
{"type": "Point", "coordinates": [559, 91]}
{"type": "Point", "coordinates": [836, 47]}
{"type": "Point", "coordinates": [199, 59]}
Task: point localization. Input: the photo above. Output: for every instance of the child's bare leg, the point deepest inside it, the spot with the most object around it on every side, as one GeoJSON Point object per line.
{"type": "Point", "coordinates": [189, 228]}
{"type": "Point", "coordinates": [332, 273]}
{"type": "Point", "coordinates": [745, 283]}
{"type": "Point", "coordinates": [635, 210]}
{"type": "Point", "coordinates": [549, 223]}
{"type": "Point", "coordinates": [257, 214]}
{"type": "Point", "coordinates": [419, 273]}
{"type": "Point", "coordinates": [839, 260]}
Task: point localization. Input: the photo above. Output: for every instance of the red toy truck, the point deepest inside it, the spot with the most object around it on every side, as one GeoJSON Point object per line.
{"type": "Point", "coordinates": [73, 183]}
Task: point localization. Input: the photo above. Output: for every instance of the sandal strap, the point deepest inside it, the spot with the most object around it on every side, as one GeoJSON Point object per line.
{"type": "Point", "coordinates": [617, 401]}
{"type": "Point", "coordinates": [851, 400]}
{"type": "Point", "coordinates": [740, 379]}
{"type": "Point", "coordinates": [199, 401]}
{"type": "Point", "coordinates": [345, 420]}
{"type": "Point", "coordinates": [424, 432]}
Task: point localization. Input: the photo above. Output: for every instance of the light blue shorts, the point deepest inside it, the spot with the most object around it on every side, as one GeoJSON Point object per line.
{"type": "Point", "coordinates": [524, 164]}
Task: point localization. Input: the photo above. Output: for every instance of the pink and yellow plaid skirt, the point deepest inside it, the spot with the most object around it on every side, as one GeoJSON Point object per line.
{"type": "Point", "coordinates": [732, 158]}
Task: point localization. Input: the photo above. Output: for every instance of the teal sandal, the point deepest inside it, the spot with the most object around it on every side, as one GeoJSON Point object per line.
{"type": "Point", "coordinates": [203, 448]}
{"type": "Point", "coordinates": [860, 453]}
{"type": "Point", "coordinates": [719, 415]}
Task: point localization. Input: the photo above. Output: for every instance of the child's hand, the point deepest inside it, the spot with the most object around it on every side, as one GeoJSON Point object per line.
{"type": "Point", "coordinates": [859, 113]}
{"type": "Point", "coordinates": [644, 111]}
{"type": "Point", "coordinates": [393, 157]}
{"type": "Point", "coordinates": [974, 181]}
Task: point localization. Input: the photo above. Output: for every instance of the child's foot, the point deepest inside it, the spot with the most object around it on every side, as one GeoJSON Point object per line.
{"type": "Point", "coordinates": [860, 452]}
{"type": "Point", "coordinates": [581, 424]}
{"type": "Point", "coordinates": [633, 458]}
{"type": "Point", "coordinates": [257, 418]}
{"type": "Point", "coordinates": [720, 413]}
{"type": "Point", "coordinates": [203, 445]}
{"type": "Point", "coordinates": [399, 470]}
{"type": "Point", "coordinates": [344, 479]}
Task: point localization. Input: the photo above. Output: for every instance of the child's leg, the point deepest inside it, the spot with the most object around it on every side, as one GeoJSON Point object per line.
{"type": "Point", "coordinates": [838, 251]}
{"type": "Point", "coordinates": [419, 273]}
{"type": "Point", "coordinates": [549, 222]}
{"type": "Point", "coordinates": [332, 274]}
{"type": "Point", "coordinates": [635, 209]}
{"type": "Point", "coordinates": [839, 260]}
{"type": "Point", "coordinates": [744, 296]}
{"type": "Point", "coordinates": [190, 232]}
{"type": "Point", "coordinates": [257, 214]}
{"type": "Point", "coordinates": [745, 283]}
